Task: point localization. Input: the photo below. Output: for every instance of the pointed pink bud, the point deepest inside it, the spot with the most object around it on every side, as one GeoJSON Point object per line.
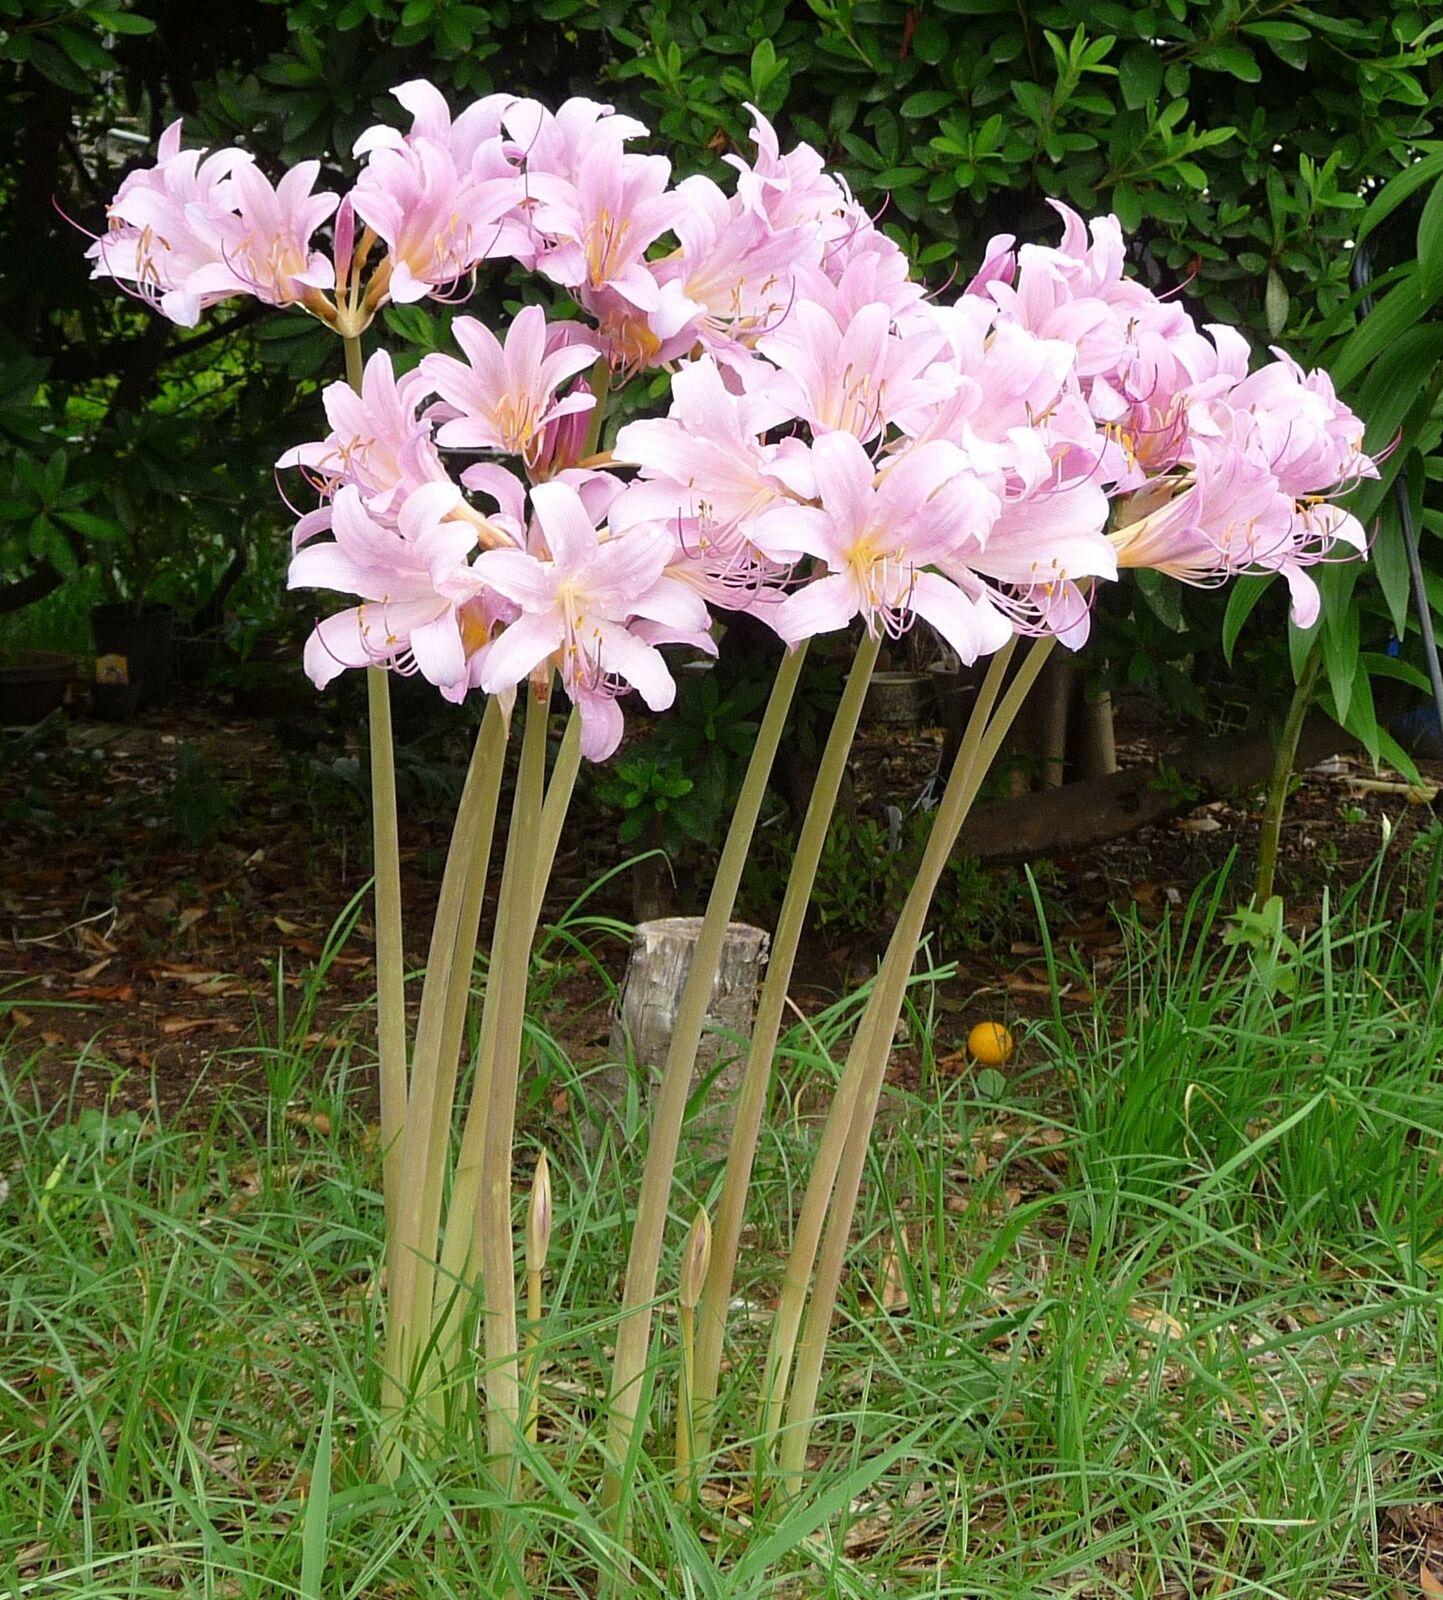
{"type": "Point", "coordinates": [345, 239]}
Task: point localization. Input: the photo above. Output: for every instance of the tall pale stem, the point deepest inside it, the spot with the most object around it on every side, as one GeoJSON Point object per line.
{"type": "Point", "coordinates": [756, 1081]}
{"type": "Point", "coordinates": [887, 998]}
{"type": "Point", "coordinates": [390, 953]}
{"type": "Point", "coordinates": [684, 1489]}
{"type": "Point", "coordinates": [515, 925]}
{"type": "Point", "coordinates": [600, 383]}
{"type": "Point", "coordinates": [458, 1240]}
{"type": "Point", "coordinates": [633, 1340]}
{"type": "Point", "coordinates": [386, 855]}
{"type": "Point", "coordinates": [1270, 835]}
{"type": "Point", "coordinates": [431, 1102]}
{"type": "Point", "coordinates": [808, 1232]}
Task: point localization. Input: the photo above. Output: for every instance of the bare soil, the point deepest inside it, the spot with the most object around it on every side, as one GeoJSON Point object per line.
{"type": "Point", "coordinates": [166, 886]}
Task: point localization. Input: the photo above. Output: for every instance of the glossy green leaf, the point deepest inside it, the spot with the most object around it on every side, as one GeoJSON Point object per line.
{"type": "Point", "coordinates": [1342, 632]}
{"type": "Point", "coordinates": [1242, 602]}
{"type": "Point", "coordinates": [1397, 189]}
{"type": "Point", "coordinates": [1430, 246]}
{"type": "Point", "coordinates": [1139, 75]}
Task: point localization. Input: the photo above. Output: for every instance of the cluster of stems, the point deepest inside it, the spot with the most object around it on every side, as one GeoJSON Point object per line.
{"type": "Point", "coordinates": [451, 1235]}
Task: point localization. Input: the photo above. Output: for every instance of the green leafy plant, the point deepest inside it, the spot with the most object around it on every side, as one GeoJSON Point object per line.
{"type": "Point", "coordinates": [202, 804]}
{"type": "Point", "coordinates": [859, 879]}
{"type": "Point", "coordinates": [655, 800]}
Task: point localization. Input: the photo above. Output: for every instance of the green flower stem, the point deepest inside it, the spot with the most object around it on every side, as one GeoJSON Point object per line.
{"type": "Point", "coordinates": [355, 360]}
{"type": "Point", "coordinates": [756, 1081]}
{"type": "Point", "coordinates": [533, 1355]}
{"type": "Point", "coordinates": [557, 804]}
{"type": "Point", "coordinates": [633, 1340]}
{"type": "Point", "coordinates": [444, 998]}
{"type": "Point", "coordinates": [888, 997]}
{"type": "Point", "coordinates": [386, 853]}
{"type": "Point", "coordinates": [515, 928]}
{"type": "Point", "coordinates": [390, 955]}
{"type": "Point", "coordinates": [1271, 832]}
{"type": "Point", "coordinates": [599, 381]}
{"type": "Point", "coordinates": [695, 1262]}
{"type": "Point", "coordinates": [539, 1217]}
{"type": "Point", "coordinates": [458, 1241]}
{"type": "Point", "coordinates": [798, 1274]}
{"type": "Point", "coordinates": [684, 1488]}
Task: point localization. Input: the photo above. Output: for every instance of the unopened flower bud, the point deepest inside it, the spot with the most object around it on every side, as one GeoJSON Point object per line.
{"type": "Point", "coordinates": [345, 240]}
{"type": "Point", "coordinates": [538, 1220]}
{"type": "Point", "coordinates": [695, 1261]}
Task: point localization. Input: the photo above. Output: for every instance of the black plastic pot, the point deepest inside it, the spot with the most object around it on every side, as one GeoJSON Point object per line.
{"type": "Point", "coordinates": [32, 686]}
{"type": "Point", "coordinates": [134, 657]}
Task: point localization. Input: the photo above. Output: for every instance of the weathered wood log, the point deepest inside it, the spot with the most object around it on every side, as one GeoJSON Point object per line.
{"type": "Point", "coordinates": [1096, 737]}
{"type": "Point", "coordinates": [641, 1030]}
{"type": "Point", "coordinates": [1080, 815]}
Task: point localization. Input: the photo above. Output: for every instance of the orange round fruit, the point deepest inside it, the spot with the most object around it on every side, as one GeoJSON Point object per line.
{"type": "Point", "coordinates": [989, 1044]}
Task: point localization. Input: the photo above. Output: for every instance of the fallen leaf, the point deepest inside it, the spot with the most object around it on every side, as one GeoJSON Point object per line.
{"type": "Point", "coordinates": [1427, 1582]}
{"type": "Point", "coordinates": [891, 1291]}
{"type": "Point", "coordinates": [203, 980]}
{"type": "Point", "coordinates": [1153, 1320]}
{"type": "Point", "coordinates": [189, 917]}
{"type": "Point", "coordinates": [174, 1025]}
{"type": "Point", "coordinates": [123, 992]}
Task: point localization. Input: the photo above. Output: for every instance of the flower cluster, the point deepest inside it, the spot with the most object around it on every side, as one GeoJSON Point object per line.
{"type": "Point", "coordinates": [837, 444]}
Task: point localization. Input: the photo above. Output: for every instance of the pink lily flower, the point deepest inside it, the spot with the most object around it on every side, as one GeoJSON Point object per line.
{"type": "Point", "coordinates": [412, 578]}
{"type": "Point", "coordinates": [1044, 549]}
{"type": "Point", "coordinates": [473, 138]}
{"type": "Point", "coordinates": [855, 379]}
{"type": "Point", "coordinates": [732, 277]}
{"type": "Point", "coordinates": [1078, 292]}
{"type": "Point", "coordinates": [502, 397]}
{"type": "Point", "coordinates": [438, 222]}
{"type": "Point", "coordinates": [556, 143]}
{"type": "Point", "coordinates": [577, 595]}
{"type": "Point", "coordinates": [707, 476]}
{"type": "Point", "coordinates": [704, 465]}
{"type": "Point", "coordinates": [163, 221]}
{"type": "Point", "coordinates": [864, 269]}
{"type": "Point", "coordinates": [1294, 422]}
{"type": "Point", "coordinates": [264, 248]}
{"type": "Point", "coordinates": [599, 228]}
{"type": "Point", "coordinates": [1231, 517]}
{"type": "Point", "coordinates": [378, 443]}
{"type": "Point", "coordinates": [878, 535]}
{"type": "Point", "coordinates": [793, 190]}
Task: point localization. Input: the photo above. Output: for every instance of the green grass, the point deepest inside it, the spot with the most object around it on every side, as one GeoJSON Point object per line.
{"type": "Point", "coordinates": [1159, 1318]}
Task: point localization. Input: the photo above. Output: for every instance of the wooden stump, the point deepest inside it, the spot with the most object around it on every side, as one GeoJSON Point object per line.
{"type": "Point", "coordinates": [656, 974]}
